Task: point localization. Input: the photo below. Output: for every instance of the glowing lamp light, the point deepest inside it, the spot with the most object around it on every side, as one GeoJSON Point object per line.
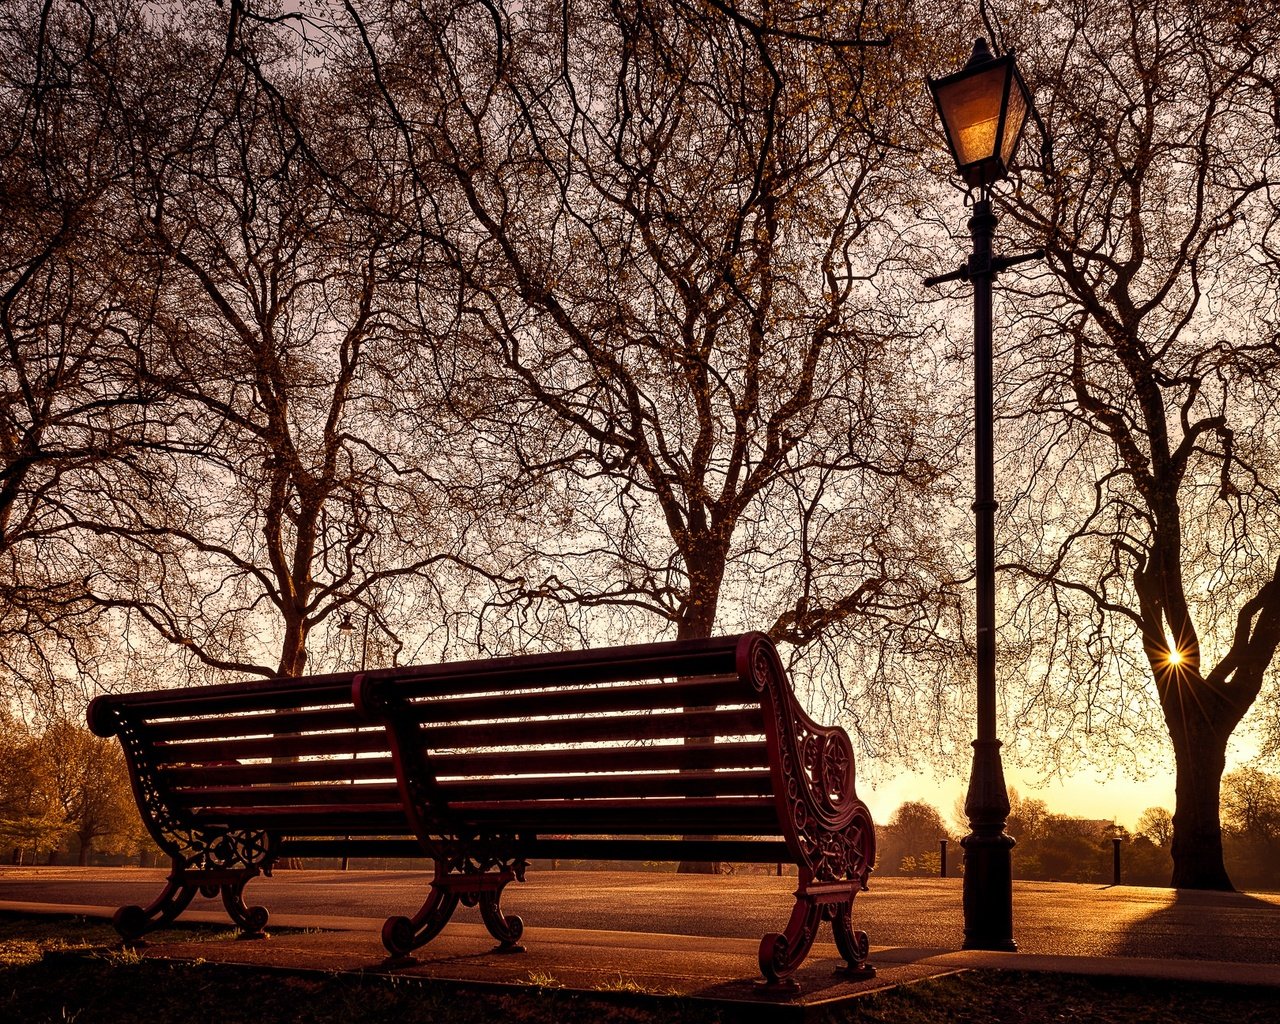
{"type": "Point", "coordinates": [983, 107]}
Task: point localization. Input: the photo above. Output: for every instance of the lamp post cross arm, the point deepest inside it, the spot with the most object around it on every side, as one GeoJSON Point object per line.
{"type": "Point", "coordinates": [965, 272]}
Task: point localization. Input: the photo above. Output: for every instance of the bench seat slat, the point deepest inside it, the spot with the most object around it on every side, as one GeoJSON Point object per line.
{"type": "Point", "coordinates": [251, 695]}
{"type": "Point", "coordinates": [280, 796]}
{"type": "Point", "coordinates": [615, 728]}
{"type": "Point", "coordinates": [655, 696]}
{"type": "Point", "coordinates": [372, 741]}
{"type": "Point", "coordinates": [748, 783]}
{"type": "Point", "coordinates": [749, 754]}
{"type": "Point", "coordinates": [681, 756]}
{"type": "Point", "coordinates": [705, 816]}
{"type": "Point", "coordinates": [710, 657]}
{"type": "Point", "coordinates": [275, 723]}
{"type": "Point", "coordinates": [331, 769]}
{"type": "Point", "coordinates": [738, 816]}
{"type": "Point", "coordinates": [317, 819]}
{"type": "Point", "coordinates": [608, 729]}
{"type": "Point", "coordinates": [487, 791]}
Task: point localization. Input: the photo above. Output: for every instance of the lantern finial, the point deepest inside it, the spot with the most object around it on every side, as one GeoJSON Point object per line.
{"type": "Point", "coordinates": [981, 53]}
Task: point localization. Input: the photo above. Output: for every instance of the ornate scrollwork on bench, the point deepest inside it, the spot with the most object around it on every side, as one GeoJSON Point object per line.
{"type": "Point", "coordinates": [825, 825]}
{"type": "Point", "coordinates": [208, 860]}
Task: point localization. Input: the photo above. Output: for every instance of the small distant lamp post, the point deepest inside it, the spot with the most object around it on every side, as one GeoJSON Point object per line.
{"type": "Point", "coordinates": [983, 107]}
{"type": "Point", "coordinates": [346, 627]}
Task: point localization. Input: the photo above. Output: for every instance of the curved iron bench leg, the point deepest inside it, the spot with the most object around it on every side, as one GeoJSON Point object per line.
{"type": "Point", "coordinates": [853, 945]}
{"type": "Point", "coordinates": [506, 928]}
{"type": "Point", "coordinates": [132, 921]}
{"type": "Point", "coordinates": [781, 953]}
{"type": "Point", "coordinates": [402, 935]}
{"type": "Point", "coordinates": [252, 921]}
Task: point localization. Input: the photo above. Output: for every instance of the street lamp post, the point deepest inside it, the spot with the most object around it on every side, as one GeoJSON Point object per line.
{"type": "Point", "coordinates": [983, 107]}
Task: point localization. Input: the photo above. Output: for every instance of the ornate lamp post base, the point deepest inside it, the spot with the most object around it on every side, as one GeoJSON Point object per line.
{"type": "Point", "coordinates": [988, 860]}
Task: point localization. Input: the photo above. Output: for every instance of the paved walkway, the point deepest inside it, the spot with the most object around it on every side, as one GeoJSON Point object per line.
{"type": "Point", "coordinates": [914, 925]}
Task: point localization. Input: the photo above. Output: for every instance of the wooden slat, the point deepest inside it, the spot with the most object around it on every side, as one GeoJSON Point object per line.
{"type": "Point", "coordinates": [317, 820]}
{"type": "Point", "coordinates": [273, 724]}
{"type": "Point", "coordinates": [284, 796]}
{"type": "Point", "coordinates": [737, 816]}
{"type": "Point", "coordinates": [207, 751]}
{"type": "Point", "coordinates": [627, 848]}
{"type": "Point", "coordinates": [647, 784]}
{"type": "Point", "coordinates": [747, 851]}
{"type": "Point", "coordinates": [586, 700]}
{"type": "Point", "coordinates": [606, 729]}
{"type": "Point", "coordinates": [710, 657]}
{"type": "Point", "coordinates": [330, 770]}
{"type": "Point", "coordinates": [611, 729]}
{"type": "Point", "coordinates": [674, 756]}
{"type": "Point", "coordinates": [225, 698]}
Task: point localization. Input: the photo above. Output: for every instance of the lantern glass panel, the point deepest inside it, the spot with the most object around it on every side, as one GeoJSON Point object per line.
{"type": "Point", "coordinates": [1013, 121]}
{"type": "Point", "coordinates": [971, 109]}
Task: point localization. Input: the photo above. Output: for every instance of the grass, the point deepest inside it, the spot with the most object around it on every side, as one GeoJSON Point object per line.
{"type": "Point", "coordinates": [61, 970]}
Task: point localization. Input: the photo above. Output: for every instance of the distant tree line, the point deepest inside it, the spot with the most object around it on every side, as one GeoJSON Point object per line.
{"type": "Point", "coordinates": [1055, 847]}
{"type": "Point", "coordinates": [64, 796]}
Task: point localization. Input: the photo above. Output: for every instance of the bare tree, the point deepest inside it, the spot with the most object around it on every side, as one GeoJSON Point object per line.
{"type": "Point", "coordinates": [261, 251]}
{"type": "Point", "coordinates": [1147, 537]}
{"type": "Point", "coordinates": [673, 230]}
{"type": "Point", "coordinates": [74, 410]}
{"type": "Point", "coordinates": [1156, 824]}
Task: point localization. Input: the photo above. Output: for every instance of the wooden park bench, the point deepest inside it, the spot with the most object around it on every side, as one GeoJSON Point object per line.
{"type": "Point", "coordinates": [693, 750]}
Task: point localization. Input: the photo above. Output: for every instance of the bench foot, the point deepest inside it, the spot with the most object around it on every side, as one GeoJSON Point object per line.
{"type": "Point", "coordinates": [402, 935]}
{"type": "Point", "coordinates": [506, 928]}
{"type": "Point", "coordinates": [132, 922]}
{"type": "Point", "coordinates": [853, 945]}
{"type": "Point", "coordinates": [782, 953]}
{"type": "Point", "coordinates": [252, 921]}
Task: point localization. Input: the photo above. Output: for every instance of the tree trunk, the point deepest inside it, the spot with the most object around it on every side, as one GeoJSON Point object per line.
{"type": "Point", "coordinates": [86, 848]}
{"type": "Point", "coordinates": [1200, 756]}
{"type": "Point", "coordinates": [698, 624]}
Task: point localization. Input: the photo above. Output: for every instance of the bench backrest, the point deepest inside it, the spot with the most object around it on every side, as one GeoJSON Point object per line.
{"type": "Point", "coordinates": [647, 739]}
{"type": "Point", "coordinates": [692, 738]}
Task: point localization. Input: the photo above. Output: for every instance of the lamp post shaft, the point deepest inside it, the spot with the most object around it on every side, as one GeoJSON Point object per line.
{"type": "Point", "coordinates": [988, 873]}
